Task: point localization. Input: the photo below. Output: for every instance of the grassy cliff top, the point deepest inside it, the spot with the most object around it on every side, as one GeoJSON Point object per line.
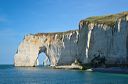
{"type": "Point", "coordinates": [107, 19]}
{"type": "Point", "coordinates": [53, 33]}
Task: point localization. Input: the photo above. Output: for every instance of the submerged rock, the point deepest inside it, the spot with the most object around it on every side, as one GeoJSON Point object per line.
{"type": "Point", "coordinates": [106, 36]}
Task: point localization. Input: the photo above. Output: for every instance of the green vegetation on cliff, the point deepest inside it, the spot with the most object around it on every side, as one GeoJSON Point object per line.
{"type": "Point", "coordinates": [54, 33]}
{"type": "Point", "coordinates": [108, 19]}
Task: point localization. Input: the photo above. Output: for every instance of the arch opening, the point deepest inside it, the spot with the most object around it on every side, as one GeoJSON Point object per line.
{"type": "Point", "coordinates": [43, 59]}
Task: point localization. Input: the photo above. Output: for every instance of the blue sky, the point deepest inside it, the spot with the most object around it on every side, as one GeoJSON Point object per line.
{"type": "Point", "coordinates": [21, 17]}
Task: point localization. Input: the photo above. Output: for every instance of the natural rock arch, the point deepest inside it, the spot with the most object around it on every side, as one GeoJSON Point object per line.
{"type": "Point", "coordinates": [60, 48]}
{"type": "Point", "coordinates": [29, 50]}
{"type": "Point", "coordinates": [45, 61]}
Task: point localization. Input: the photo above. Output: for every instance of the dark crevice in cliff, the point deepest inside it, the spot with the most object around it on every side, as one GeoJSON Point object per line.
{"type": "Point", "coordinates": [127, 49]}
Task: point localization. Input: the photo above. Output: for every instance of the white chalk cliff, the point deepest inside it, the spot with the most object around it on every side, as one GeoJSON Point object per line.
{"type": "Point", "coordinates": [105, 35]}
{"type": "Point", "coordinates": [61, 48]}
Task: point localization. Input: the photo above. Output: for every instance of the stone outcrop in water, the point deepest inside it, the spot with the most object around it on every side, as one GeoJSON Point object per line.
{"type": "Point", "coordinates": [98, 37]}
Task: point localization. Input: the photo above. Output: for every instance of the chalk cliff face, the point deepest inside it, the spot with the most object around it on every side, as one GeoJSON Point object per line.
{"type": "Point", "coordinates": [105, 36]}
{"type": "Point", "coordinates": [61, 48]}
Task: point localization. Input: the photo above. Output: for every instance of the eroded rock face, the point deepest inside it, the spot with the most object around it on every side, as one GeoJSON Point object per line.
{"type": "Point", "coordinates": [61, 48]}
{"type": "Point", "coordinates": [111, 42]}
{"type": "Point", "coordinates": [105, 36]}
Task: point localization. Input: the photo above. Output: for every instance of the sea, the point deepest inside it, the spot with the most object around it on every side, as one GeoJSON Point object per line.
{"type": "Point", "coordinates": [47, 75]}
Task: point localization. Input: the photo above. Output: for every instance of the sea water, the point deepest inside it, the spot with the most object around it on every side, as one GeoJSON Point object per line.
{"type": "Point", "coordinates": [45, 75]}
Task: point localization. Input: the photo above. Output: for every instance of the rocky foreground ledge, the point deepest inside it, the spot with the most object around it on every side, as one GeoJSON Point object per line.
{"type": "Point", "coordinates": [100, 40]}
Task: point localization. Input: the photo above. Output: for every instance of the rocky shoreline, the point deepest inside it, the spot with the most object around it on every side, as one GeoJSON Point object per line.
{"type": "Point", "coordinates": [68, 67]}
{"type": "Point", "coordinates": [117, 70]}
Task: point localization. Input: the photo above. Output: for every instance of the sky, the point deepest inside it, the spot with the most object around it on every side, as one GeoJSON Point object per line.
{"type": "Point", "coordinates": [21, 17]}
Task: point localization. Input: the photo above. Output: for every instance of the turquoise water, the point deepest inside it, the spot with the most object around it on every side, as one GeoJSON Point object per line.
{"type": "Point", "coordinates": [42, 75]}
